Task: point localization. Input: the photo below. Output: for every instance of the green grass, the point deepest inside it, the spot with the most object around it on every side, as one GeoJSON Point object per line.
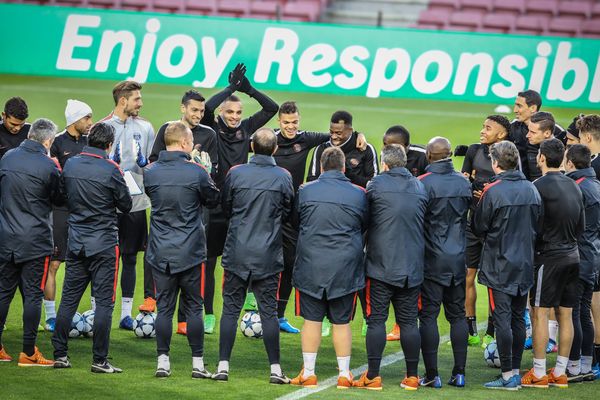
{"type": "Point", "coordinates": [249, 367]}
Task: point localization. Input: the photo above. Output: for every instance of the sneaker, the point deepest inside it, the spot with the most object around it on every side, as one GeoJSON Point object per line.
{"type": "Point", "coordinates": [104, 367]}
{"type": "Point", "coordinates": [35, 360]}
{"type": "Point", "coordinates": [474, 340]}
{"type": "Point", "coordinates": [50, 324]}
{"type": "Point", "coordinates": [410, 383]}
{"type": "Point", "coordinates": [4, 357]}
{"type": "Point", "coordinates": [596, 371]}
{"type": "Point", "coordinates": [588, 376]}
{"type": "Point", "coordinates": [325, 328]}
{"type": "Point", "coordinates": [572, 378]}
{"type": "Point", "coordinates": [551, 347]}
{"type": "Point", "coordinates": [286, 327]}
{"type": "Point", "coordinates": [344, 383]}
{"type": "Point", "coordinates": [221, 376]}
{"type": "Point", "coordinates": [201, 374]}
{"type": "Point", "coordinates": [435, 383]}
{"type": "Point", "coordinates": [457, 380]}
{"type": "Point", "coordinates": [149, 305]}
{"type": "Point", "coordinates": [309, 382]}
{"type": "Point", "coordinates": [365, 383]}
{"type": "Point", "coordinates": [163, 369]}
{"type": "Point", "coordinates": [528, 343]}
{"type": "Point", "coordinates": [126, 323]}
{"type": "Point", "coordinates": [394, 333]}
{"type": "Point", "coordinates": [162, 373]}
{"type": "Point", "coordinates": [532, 381]}
{"type": "Point", "coordinates": [182, 328]}
{"type": "Point", "coordinates": [62, 362]}
{"type": "Point", "coordinates": [558, 381]}
{"type": "Point", "coordinates": [518, 377]}
{"type": "Point", "coordinates": [209, 324]}
{"type": "Point", "coordinates": [250, 302]}
{"type": "Point", "coordinates": [503, 384]}
{"type": "Point", "coordinates": [487, 339]}
{"type": "Point", "coordinates": [277, 379]}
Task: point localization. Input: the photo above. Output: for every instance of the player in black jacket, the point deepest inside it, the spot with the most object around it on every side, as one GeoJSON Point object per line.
{"type": "Point", "coordinates": [416, 159]}
{"type": "Point", "coordinates": [13, 128]}
{"type": "Point", "coordinates": [30, 185]}
{"type": "Point", "coordinates": [95, 188]}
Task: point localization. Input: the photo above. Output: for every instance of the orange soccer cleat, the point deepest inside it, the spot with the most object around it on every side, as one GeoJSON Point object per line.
{"type": "Point", "coordinates": [532, 381]}
{"type": "Point", "coordinates": [4, 357]}
{"type": "Point", "coordinates": [149, 305]}
{"type": "Point", "coordinates": [182, 328]}
{"type": "Point", "coordinates": [561, 381]}
{"type": "Point", "coordinates": [410, 383]}
{"type": "Point", "coordinates": [344, 383]}
{"type": "Point", "coordinates": [309, 382]}
{"type": "Point", "coordinates": [370, 384]}
{"type": "Point", "coordinates": [394, 333]}
{"type": "Point", "coordinates": [36, 360]}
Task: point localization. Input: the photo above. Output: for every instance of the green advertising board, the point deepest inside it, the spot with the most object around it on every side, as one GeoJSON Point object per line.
{"type": "Point", "coordinates": [362, 61]}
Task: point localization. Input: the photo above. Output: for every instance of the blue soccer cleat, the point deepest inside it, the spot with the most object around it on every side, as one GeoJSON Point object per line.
{"type": "Point", "coordinates": [503, 384]}
{"type": "Point", "coordinates": [50, 324]}
{"type": "Point", "coordinates": [286, 327]}
{"type": "Point", "coordinates": [551, 347]}
{"type": "Point", "coordinates": [596, 371]}
{"type": "Point", "coordinates": [126, 323]}
{"type": "Point", "coordinates": [528, 343]}
{"type": "Point", "coordinates": [457, 380]}
{"type": "Point", "coordinates": [435, 383]}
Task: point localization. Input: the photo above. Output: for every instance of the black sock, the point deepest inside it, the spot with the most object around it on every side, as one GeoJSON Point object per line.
{"type": "Point", "coordinates": [458, 370]}
{"type": "Point", "coordinates": [431, 373]}
{"type": "Point", "coordinates": [490, 327]}
{"type": "Point", "coordinates": [373, 370]}
{"type": "Point", "coordinates": [28, 349]}
{"type": "Point", "coordinates": [472, 322]}
{"type": "Point", "coordinates": [597, 352]}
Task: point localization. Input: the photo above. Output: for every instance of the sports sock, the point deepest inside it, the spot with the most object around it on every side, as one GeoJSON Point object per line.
{"type": "Point", "coordinates": [50, 307]}
{"type": "Point", "coordinates": [93, 303]}
{"type": "Point", "coordinates": [276, 369]}
{"type": "Point", "coordinates": [490, 327]}
{"type": "Point", "coordinates": [574, 367]}
{"type": "Point", "coordinates": [472, 322]}
{"type": "Point", "coordinates": [223, 366]}
{"type": "Point", "coordinates": [553, 330]}
{"type": "Point", "coordinates": [586, 364]}
{"type": "Point", "coordinates": [539, 367]}
{"type": "Point", "coordinates": [507, 375]}
{"type": "Point", "coordinates": [126, 305]}
{"type": "Point", "coordinates": [561, 365]}
{"type": "Point", "coordinates": [516, 372]}
{"type": "Point", "coordinates": [163, 362]}
{"type": "Point", "coordinates": [344, 366]}
{"type": "Point", "coordinates": [198, 363]}
{"type": "Point", "coordinates": [309, 364]}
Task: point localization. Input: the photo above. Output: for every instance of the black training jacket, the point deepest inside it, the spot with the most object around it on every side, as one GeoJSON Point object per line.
{"type": "Point", "coordinates": [95, 187]}
{"type": "Point", "coordinates": [29, 186]}
{"type": "Point", "coordinates": [395, 236]}
{"type": "Point", "coordinates": [257, 197]}
{"type": "Point", "coordinates": [361, 166]}
{"type": "Point", "coordinates": [66, 146]}
{"type": "Point", "coordinates": [507, 218]}
{"type": "Point", "coordinates": [589, 241]}
{"type": "Point", "coordinates": [332, 215]}
{"type": "Point", "coordinates": [178, 189]}
{"type": "Point", "coordinates": [445, 223]}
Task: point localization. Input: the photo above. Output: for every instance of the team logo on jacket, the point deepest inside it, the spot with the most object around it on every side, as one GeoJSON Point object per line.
{"type": "Point", "coordinates": [239, 135]}
{"type": "Point", "coordinates": [297, 148]}
{"type": "Point", "coordinates": [137, 136]}
{"type": "Point", "coordinates": [353, 162]}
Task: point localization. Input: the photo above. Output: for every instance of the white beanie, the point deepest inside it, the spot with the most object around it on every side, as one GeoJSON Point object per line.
{"type": "Point", "coordinates": [76, 110]}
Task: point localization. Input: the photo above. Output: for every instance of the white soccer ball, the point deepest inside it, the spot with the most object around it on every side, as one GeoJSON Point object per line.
{"type": "Point", "coordinates": [491, 356]}
{"type": "Point", "coordinates": [251, 326]}
{"type": "Point", "coordinates": [143, 325]}
{"type": "Point", "coordinates": [76, 326]}
{"type": "Point", "coordinates": [88, 323]}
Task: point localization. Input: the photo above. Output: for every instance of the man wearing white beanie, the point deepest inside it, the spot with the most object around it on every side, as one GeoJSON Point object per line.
{"type": "Point", "coordinates": [67, 144]}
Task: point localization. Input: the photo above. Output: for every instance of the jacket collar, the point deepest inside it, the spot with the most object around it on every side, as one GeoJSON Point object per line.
{"type": "Point", "coordinates": [260, 159]}
{"type": "Point", "coordinates": [444, 166]}
{"type": "Point", "coordinates": [34, 146]}
{"type": "Point", "coordinates": [94, 152]}
{"type": "Point", "coordinates": [349, 144]}
{"type": "Point", "coordinates": [398, 171]}
{"type": "Point", "coordinates": [511, 175]}
{"type": "Point", "coordinates": [582, 173]}
{"type": "Point", "coordinates": [166, 155]}
{"type": "Point", "coordinates": [333, 174]}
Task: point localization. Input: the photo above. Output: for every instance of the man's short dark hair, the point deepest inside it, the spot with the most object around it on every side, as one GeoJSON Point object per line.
{"type": "Point", "coordinates": [505, 153]}
{"type": "Point", "coordinates": [264, 141]}
{"type": "Point", "coordinates": [17, 108]}
{"type": "Point", "coordinates": [590, 124]}
{"type": "Point", "coordinates": [124, 89]}
{"type": "Point", "coordinates": [101, 136]}
{"type": "Point", "coordinates": [500, 120]}
{"type": "Point", "coordinates": [333, 158]}
{"type": "Point", "coordinates": [554, 151]}
{"type": "Point", "coordinates": [531, 98]}
{"type": "Point", "coordinates": [191, 95]}
{"type": "Point", "coordinates": [342, 116]}
{"type": "Point", "coordinates": [289, 107]}
{"type": "Point", "coordinates": [393, 156]}
{"type": "Point", "coordinates": [544, 119]}
{"type": "Point", "coordinates": [399, 134]}
{"type": "Point", "coordinates": [580, 155]}
{"type": "Point", "coordinates": [232, 98]}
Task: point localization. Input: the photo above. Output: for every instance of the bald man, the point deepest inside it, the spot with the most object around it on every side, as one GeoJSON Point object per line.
{"type": "Point", "coordinates": [444, 277]}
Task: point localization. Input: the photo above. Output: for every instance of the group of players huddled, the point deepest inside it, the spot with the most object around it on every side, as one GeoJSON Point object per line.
{"type": "Point", "coordinates": [524, 213]}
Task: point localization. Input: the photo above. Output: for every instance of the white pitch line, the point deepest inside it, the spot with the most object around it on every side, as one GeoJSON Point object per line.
{"type": "Point", "coordinates": [332, 381]}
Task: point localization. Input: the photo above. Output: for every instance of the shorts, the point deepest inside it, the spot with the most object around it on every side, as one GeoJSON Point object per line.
{"type": "Point", "coordinates": [216, 232]}
{"type": "Point", "coordinates": [473, 248]}
{"type": "Point", "coordinates": [339, 311]}
{"type": "Point", "coordinates": [133, 232]}
{"type": "Point", "coordinates": [555, 285]}
{"type": "Point", "coordinates": [60, 233]}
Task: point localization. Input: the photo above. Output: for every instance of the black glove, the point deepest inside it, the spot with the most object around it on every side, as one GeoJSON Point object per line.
{"type": "Point", "coordinates": [236, 76]}
{"type": "Point", "coordinates": [460, 150]}
{"type": "Point", "coordinates": [246, 87]}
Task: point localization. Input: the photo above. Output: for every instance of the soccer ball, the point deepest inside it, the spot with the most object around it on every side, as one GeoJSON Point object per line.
{"type": "Point", "coordinates": [88, 323]}
{"type": "Point", "coordinates": [143, 325]}
{"type": "Point", "coordinates": [491, 356]}
{"type": "Point", "coordinates": [76, 326]}
{"type": "Point", "coordinates": [251, 326]}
